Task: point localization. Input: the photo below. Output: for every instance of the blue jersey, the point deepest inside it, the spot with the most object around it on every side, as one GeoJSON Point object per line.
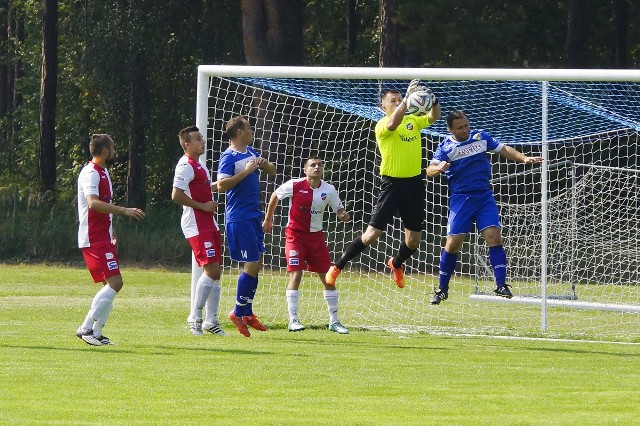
{"type": "Point", "coordinates": [243, 200]}
{"type": "Point", "coordinates": [470, 170]}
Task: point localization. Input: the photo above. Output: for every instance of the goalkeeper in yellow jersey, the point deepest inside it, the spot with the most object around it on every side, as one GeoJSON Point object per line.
{"type": "Point", "coordinates": [402, 189]}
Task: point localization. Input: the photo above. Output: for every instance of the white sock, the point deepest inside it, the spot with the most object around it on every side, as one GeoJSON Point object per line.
{"type": "Point", "coordinates": [292, 304]}
{"type": "Point", "coordinates": [103, 312]}
{"type": "Point", "coordinates": [203, 288]}
{"type": "Point", "coordinates": [331, 297]}
{"type": "Point", "coordinates": [213, 302]}
{"type": "Point", "coordinates": [106, 294]}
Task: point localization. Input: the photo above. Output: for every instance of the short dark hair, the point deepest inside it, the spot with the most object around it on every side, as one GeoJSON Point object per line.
{"type": "Point", "coordinates": [98, 143]}
{"type": "Point", "coordinates": [239, 122]}
{"type": "Point", "coordinates": [455, 115]}
{"type": "Point", "coordinates": [385, 92]}
{"type": "Point", "coordinates": [183, 135]}
{"type": "Point", "coordinates": [312, 157]}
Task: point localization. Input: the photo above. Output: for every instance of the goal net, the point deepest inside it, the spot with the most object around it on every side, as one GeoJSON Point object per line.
{"type": "Point", "coordinates": [569, 226]}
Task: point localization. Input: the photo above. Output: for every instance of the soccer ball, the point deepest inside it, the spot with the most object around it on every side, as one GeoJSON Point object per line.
{"type": "Point", "coordinates": [419, 103]}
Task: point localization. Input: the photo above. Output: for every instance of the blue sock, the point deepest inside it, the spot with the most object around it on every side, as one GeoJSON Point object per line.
{"type": "Point", "coordinates": [244, 294]}
{"type": "Point", "coordinates": [447, 268]}
{"type": "Point", "coordinates": [254, 287]}
{"type": "Point", "coordinates": [498, 260]}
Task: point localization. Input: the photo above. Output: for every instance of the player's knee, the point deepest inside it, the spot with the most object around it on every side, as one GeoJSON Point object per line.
{"type": "Point", "coordinates": [115, 282]}
{"type": "Point", "coordinates": [213, 270]}
{"type": "Point", "coordinates": [370, 236]}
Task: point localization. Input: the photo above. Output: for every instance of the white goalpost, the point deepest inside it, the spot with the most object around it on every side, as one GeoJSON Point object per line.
{"type": "Point", "coordinates": [570, 226]}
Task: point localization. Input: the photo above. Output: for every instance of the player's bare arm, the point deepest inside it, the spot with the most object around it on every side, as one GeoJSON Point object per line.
{"type": "Point", "coordinates": [343, 215]}
{"type": "Point", "coordinates": [227, 183]}
{"type": "Point", "coordinates": [264, 164]}
{"type": "Point", "coordinates": [395, 108]}
{"type": "Point", "coordinates": [179, 197]}
{"type": "Point", "coordinates": [267, 223]}
{"type": "Point", "coordinates": [101, 207]}
{"type": "Point", "coordinates": [435, 114]}
{"type": "Point", "coordinates": [515, 155]}
{"type": "Point", "coordinates": [436, 169]}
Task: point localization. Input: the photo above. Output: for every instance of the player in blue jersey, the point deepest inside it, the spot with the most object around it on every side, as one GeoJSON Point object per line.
{"type": "Point", "coordinates": [238, 177]}
{"type": "Point", "coordinates": [462, 157]}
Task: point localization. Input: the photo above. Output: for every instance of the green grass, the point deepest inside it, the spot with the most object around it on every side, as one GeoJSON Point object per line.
{"type": "Point", "coordinates": [159, 374]}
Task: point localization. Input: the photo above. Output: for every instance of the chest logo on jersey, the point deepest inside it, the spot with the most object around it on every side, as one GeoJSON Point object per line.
{"type": "Point", "coordinates": [409, 126]}
{"type": "Point", "coordinates": [408, 138]}
{"type": "Point", "coordinates": [468, 150]}
{"type": "Point", "coordinates": [208, 244]}
{"type": "Point", "coordinates": [293, 253]}
{"type": "Point", "coordinates": [303, 191]}
{"type": "Point", "coordinates": [323, 196]}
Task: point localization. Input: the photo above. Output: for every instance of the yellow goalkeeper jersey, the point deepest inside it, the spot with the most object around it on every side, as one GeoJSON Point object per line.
{"type": "Point", "coordinates": [401, 149]}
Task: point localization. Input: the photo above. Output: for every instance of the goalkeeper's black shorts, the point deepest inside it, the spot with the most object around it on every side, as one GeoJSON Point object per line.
{"type": "Point", "coordinates": [400, 197]}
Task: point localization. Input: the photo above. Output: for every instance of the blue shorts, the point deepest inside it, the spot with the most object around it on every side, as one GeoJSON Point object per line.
{"type": "Point", "coordinates": [245, 240]}
{"type": "Point", "coordinates": [467, 209]}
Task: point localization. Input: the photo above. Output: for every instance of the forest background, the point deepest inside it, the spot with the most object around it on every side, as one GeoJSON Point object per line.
{"type": "Point", "coordinates": [128, 68]}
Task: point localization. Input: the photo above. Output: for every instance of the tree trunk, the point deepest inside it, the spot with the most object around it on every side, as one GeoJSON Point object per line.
{"type": "Point", "coordinates": [390, 52]}
{"type": "Point", "coordinates": [352, 27]}
{"type": "Point", "coordinates": [4, 60]}
{"type": "Point", "coordinates": [48, 89]}
{"type": "Point", "coordinates": [620, 51]}
{"type": "Point", "coordinates": [575, 46]}
{"type": "Point", "coordinates": [15, 36]}
{"type": "Point", "coordinates": [139, 111]}
{"type": "Point", "coordinates": [272, 32]}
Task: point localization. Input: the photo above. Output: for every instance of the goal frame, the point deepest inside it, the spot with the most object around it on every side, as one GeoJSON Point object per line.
{"type": "Point", "coordinates": [544, 76]}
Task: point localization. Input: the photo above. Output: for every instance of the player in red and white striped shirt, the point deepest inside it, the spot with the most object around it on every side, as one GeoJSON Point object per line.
{"type": "Point", "coordinates": [305, 246]}
{"type": "Point", "coordinates": [192, 189]}
{"type": "Point", "coordinates": [96, 237]}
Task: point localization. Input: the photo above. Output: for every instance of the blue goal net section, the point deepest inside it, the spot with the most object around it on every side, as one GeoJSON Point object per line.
{"type": "Point", "coordinates": [570, 225]}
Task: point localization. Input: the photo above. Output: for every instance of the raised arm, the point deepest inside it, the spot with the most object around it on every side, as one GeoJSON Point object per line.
{"type": "Point", "coordinates": [434, 114]}
{"type": "Point", "coordinates": [513, 154]}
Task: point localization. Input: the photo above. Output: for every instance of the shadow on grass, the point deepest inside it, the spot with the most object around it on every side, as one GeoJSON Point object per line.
{"type": "Point", "coordinates": [583, 351]}
{"type": "Point", "coordinates": [299, 338]}
{"type": "Point", "coordinates": [85, 348]}
{"type": "Point", "coordinates": [149, 350]}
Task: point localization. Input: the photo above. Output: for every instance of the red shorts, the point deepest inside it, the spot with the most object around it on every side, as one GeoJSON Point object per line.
{"type": "Point", "coordinates": [306, 248]}
{"type": "Point", "coordinates": [102, 260]}
{"type": "Point", "coordinates": [207, 247]}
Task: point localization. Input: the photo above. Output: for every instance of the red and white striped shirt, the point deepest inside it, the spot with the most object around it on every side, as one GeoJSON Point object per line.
{"type": "Point", "coordinates": [194, 179]}
{"type": "Point", "coordinates": [94, 226]}
{"type": "Point", "coordinates": [307, 204]}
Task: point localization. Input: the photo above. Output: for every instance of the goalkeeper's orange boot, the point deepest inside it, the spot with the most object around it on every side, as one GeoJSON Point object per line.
{"type": "Point", "coordinates": [332, 275]}
{"type": "Point", "coordinates": [398, 273]}
{"type": "Point", "coordinates": [252, 321]}
{"type": "Point", "coordinates": [240, 325]}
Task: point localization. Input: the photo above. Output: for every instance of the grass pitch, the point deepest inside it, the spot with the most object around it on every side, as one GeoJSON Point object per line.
{"type": "Point", "coordinates": [160, 374]}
